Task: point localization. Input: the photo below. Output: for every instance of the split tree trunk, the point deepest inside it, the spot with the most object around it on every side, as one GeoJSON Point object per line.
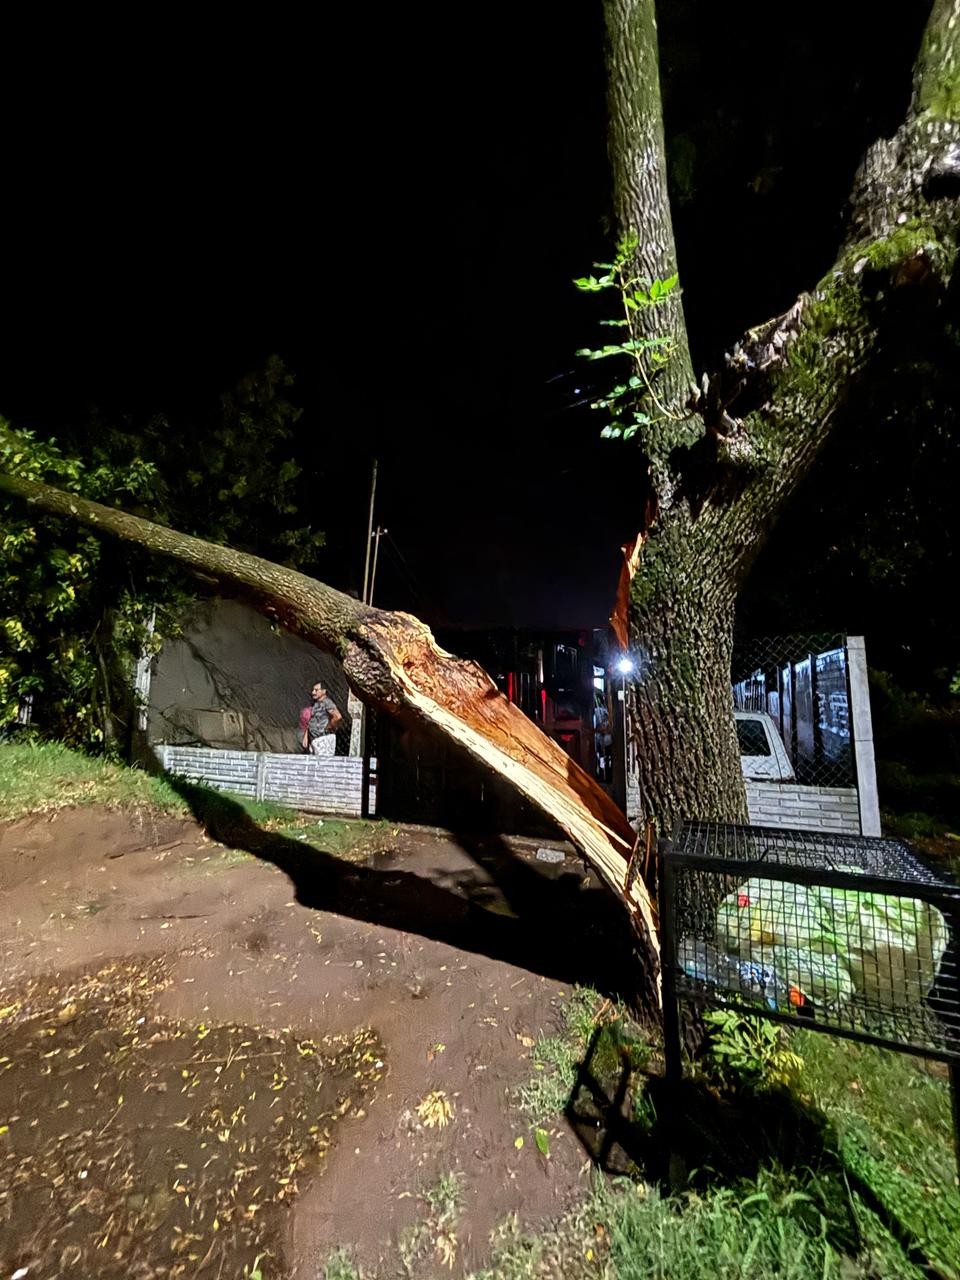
{"type": "Point", "coordinates": [392, 662]}
{"type": "Point", "coordinates": [721, 463]}
{"type": "Point", "coordinates": [723, 460]}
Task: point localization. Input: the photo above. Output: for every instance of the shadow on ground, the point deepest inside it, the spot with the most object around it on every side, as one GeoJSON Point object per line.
{"type": "Point", "coordinates": [552, 924]}
{"type": "Point", "coordinates": [692, 1136]}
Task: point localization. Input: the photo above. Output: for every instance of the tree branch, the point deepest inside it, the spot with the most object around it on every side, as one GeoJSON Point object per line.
{"type": "Point", "coordinates": [770, 408]}
{"type": "Point", "coordinates": [642, 207]}
{"type": "Point", "coordinates": [392, 661]}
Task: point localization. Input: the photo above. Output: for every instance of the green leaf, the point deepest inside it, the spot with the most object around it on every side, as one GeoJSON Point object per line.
{"type": "Point", "coordinates": [542, 1140]}
{"type": "Point", "coordinates": [656, 288]}
{"type": "Point", "coordinates": [602, 353]}
{"type": "Point", "coordinates": [642, 344]}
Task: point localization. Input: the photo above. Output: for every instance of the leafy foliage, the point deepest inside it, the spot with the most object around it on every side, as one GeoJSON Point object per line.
{"type": "Point", "coordinates": [54, 590]}
{"type": "Point", "coordinates": [632, 403]}
{"type": "Point", "coordinates": [751, 1052]}
{"type": "Point", "coordinates": [76, 614]}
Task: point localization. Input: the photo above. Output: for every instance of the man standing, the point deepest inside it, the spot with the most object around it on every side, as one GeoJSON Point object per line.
{"type": "Point", "coordinates": [318, 723]}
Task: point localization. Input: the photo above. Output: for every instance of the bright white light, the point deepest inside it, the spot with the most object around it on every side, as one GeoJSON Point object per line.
{"type": "Point", "coordinates": [624, 665]}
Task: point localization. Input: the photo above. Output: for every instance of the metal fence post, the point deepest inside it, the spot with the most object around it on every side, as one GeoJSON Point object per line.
{"type": "Point", "coordinates": [672, 1052]}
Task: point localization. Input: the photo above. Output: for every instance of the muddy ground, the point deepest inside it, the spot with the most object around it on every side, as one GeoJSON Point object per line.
{"type": "Point", "coordinates": [212, 1062]}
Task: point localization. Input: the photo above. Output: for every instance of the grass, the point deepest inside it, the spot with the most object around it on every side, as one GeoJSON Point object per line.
{"type": "Point", "coordinates": [557, 1059]}
{"type": "Point", "coordinates": [342, 837]}
{"type": "Point", "coordinates": [338, 1266]}
{"type": "Point", "coordinates": [771, 1227]}
{"type": "Point", "coordinates": [861, 1190]}
{"type": "Point", "coordinates": [45, 777]}
{"type": "Point", "coordinates": [777, 1225]}
{"type": "Point", "coordinates": [893, 1129]}
{"type": "Point", "coordinates": [434, 1237]}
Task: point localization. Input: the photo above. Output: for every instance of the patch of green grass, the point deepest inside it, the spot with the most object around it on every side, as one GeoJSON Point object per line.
{"type": "Point", "coordinates": [339, 1266]}
{"type": "Point", "coordinates": [872, 1199]}
{"type": "Point", "coordinates": [778, 1225]}
{"type": "Point", "coordinates": [338, 836]}
{"type": "Point", "coordinates": [557, 1059]}
{"type": "Point", "coordinates": [444, 1198]}
{"type": "Point", "coordinates": [44, 777]}
{"type": "Point", "coordinates": [434, 1237]}
{"type": "Point", "coordinates": [913, 826]}
{"type": "Point", "coordinates": [892, 1119]}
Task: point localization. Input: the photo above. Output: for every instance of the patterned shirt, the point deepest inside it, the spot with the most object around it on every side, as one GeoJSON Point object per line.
{"type": "Point", "coordinates": [316, 717]}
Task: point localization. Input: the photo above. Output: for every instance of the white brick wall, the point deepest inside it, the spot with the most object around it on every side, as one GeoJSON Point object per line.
{"type": "Point", "coordinates": [786, 804]}
{"type": "Point", "coordinates": [318, 784]}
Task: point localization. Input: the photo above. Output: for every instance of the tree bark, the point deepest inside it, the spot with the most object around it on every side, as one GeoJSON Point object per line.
{"type": "Point", "coordinates": [392, 661]}
{"type": "Point", "coordinates": [720, 475]}
{"type": "Point", "coordinates": [721, 462]}
{"type": "Point", "coordinates": [641, 203]}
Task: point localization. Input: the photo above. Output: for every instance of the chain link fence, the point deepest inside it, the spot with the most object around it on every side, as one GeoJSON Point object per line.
{"type": "Point", "coordinates": [801, 685]}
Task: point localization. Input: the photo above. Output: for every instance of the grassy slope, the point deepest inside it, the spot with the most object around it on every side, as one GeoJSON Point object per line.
{"type": "Point", "coordinates": [45, 777]}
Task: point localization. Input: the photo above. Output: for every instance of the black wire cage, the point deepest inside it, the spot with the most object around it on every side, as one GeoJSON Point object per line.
{"type": "Point", "coordinates": [850, 935]}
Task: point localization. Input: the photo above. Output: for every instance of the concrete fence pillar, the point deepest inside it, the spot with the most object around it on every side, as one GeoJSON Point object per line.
{"type": "Point", "coordinates": [861, 731]}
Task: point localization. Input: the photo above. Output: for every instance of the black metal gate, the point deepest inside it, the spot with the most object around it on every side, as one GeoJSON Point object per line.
{"type": "Point", "coordinates": [854, 936]}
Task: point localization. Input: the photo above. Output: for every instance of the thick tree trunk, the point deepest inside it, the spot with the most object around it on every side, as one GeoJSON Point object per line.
{"type": "Point", "coordinates": [392, 661]}
{"type": "Point", "coordinates": [641, 204]}
{"type": "Point", "coordinates": [688, 764]}
{"type": "Point", "coordinates": [722, 466]}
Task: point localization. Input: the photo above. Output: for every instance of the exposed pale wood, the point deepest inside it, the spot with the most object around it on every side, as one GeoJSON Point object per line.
{"type": "Point", "coordinates": [392, 661]}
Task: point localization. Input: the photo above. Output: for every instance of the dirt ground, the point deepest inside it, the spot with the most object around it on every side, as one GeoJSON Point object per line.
{"type": "Point", "coordinates": [328, 997]}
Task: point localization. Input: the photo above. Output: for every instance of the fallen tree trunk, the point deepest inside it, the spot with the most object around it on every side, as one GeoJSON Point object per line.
{"type": "Point", "coordinates": [392, 662]}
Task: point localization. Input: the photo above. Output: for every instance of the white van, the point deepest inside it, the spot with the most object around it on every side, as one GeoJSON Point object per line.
{"type": "Point", "coordinates": [763, 757]}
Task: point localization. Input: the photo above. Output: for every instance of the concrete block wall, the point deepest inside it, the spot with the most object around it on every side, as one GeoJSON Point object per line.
{"type": "Point", "coordinates": [317, 784]}
{"type": "Point", "coordinates": [223, 770]}
{"type": "Point", "coordinates": [786, 804]}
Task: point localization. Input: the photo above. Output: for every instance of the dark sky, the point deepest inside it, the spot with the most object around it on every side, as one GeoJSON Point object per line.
{"type": "Point", "coordinates": [396, 203]}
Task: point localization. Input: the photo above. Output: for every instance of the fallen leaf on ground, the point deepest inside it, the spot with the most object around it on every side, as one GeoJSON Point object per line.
{"type": "Point", "coordinates": [435, 1109]}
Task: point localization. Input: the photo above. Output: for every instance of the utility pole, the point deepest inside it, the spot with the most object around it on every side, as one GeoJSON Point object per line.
{"type": "Point", "coordinates": [376, 551]}
{"type": "Point", "coordinates": [366, 563]}
{"type": "Point", "coordinates": [355, 707]}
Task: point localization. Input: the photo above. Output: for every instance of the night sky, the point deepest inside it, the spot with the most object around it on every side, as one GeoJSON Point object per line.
{"type": "Point", "coordinates": [396, 204]}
